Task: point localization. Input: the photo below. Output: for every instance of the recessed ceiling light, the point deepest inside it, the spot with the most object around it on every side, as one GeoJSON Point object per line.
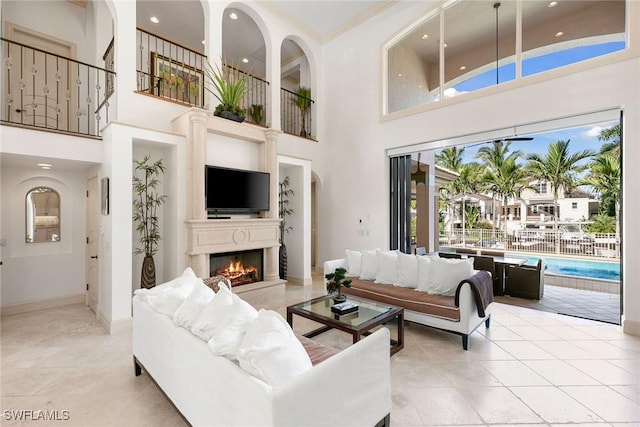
{"type": "Point", "coordinates": [154, 19]}
{"type": "Point", "coordinates": [445, 45]}
{"type": "Point", "coordinates": [399, 74]}
{"type": "Point", "coordinates": [553, 4]}
{"type": "Point", "coordinates": [44, 165]}
{"type": "Point", "coordinates": [233, 15]}
{"type": "Point", "coordinates": [420, 86]}
{"type": "Point", "coordinates": [559, 34]}
{"type": "Point", "coordinates": [463, 67]}
{"type": "Point", "coordinates": [245, 60]}
{"type": "Point", "coordinates": [202, 41]}
{"type": "Point", "coordinates": [425, 36]}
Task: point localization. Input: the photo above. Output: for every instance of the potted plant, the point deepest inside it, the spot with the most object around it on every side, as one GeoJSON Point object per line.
{"type": "Point", "coordinates": [302, 100]}
{"type": "Point", "coordinates": [256, 112]}
{"type": "Point", "coordinates": [229, 87]}
{"type": "Point", "coordinates": [335, 282]}
{"type": "Point", "coordinates": [284, 211]}
{"type": "Point", "coordinates": [145, 214]}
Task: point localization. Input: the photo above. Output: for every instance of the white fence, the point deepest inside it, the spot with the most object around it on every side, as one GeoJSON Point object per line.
{"type": "Point", "coordinates": [540, 241]}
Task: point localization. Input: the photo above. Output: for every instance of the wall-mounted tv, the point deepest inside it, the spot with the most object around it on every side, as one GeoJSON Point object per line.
{"type": "Point", "coordinates": [235, 191]}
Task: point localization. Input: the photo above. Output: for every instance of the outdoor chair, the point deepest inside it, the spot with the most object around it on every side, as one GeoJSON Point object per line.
{"type": "Point", "coordinates": [421, 250]}
{"type": "Point", "coordinates": [449, 255]}
{"type": "Point", "coordinates": [526, 281]}
{"type": "Point", "coordinates": [491, 253]}
{"type": "Point", "coordinates": [487, 263]}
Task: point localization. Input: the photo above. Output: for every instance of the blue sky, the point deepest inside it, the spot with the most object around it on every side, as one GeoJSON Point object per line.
{"type": "Point", "coordinates": [582, 138]}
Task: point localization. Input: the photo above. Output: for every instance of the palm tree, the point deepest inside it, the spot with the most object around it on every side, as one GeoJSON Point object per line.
{"type": "Point", "coordinates": [467, 182]}
{"type": "Point", "coordinates": [611, 137]}
{"type": "Point", "coordinates": [560, 169]}
{"type": "Point", "coordinates": [508, 181]}
{"type": "Point", "coordinates": [604, 178]}
{"type": "Point", "coordinates": [494, 155]}
{"type": "Point", "coordinates": [450, 158]}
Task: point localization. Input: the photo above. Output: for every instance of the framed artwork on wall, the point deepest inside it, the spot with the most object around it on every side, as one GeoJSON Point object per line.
{"type": "Point", "coordinates": [176, 81]}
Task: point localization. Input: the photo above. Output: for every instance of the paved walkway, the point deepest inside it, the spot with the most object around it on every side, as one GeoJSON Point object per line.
{"type": "Point", "coordinates": [600, 306]}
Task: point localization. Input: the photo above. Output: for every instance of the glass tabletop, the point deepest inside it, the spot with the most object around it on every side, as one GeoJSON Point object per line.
{"type": "Point", "coordinates": [367, 310]}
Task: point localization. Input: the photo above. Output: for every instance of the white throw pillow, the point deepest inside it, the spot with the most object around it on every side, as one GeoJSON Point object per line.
{"type": "Point", "coordinates": [387, 273]}
{"type": "Point", "coordinates": [171, 297]}
{"type": "Point", "coordinates": [407, 271]}
{"type": "Point", "coordinates": [424, 273]}
{"type": "Point", "coordinates": [270, 350]}
{"type": "Point", "coordinates": [446, 274]}
{"type": "Point", "coordinates": [369, 267]}
{"type": "Point", "coordinates": [354, 262]}
{"type": "Point", "coordinates": [188, 312]}
{"type": "Point", "coordinates": [214, 315]}
{"type": "Point", "coordinates": [227, 338]}
{"type": "Point", "coordinates": [158, 289]}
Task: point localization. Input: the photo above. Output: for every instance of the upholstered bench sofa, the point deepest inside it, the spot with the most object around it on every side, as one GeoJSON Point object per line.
{"type": "Point", "coordinates": [460, 312]}
{"type": "Point", "coordinates": [350, 387]}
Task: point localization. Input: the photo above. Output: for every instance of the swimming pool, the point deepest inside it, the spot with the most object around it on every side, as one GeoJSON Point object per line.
{"type": "Point", "coordinates": [577, 267]}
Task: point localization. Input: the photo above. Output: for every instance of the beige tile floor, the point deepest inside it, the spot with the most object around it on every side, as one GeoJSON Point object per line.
{"type": "Point", "coordinates": [530, 368]}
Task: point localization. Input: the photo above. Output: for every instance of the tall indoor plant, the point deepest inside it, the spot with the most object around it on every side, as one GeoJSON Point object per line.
{"type": "Point", "coordinates": [229, 87]}
{"type": "Point", "coordinates": [302, 100]}
{"type": "Point", "coordinates": [145, 214]}
{"type": "Point", "coordinates": [284, 193]}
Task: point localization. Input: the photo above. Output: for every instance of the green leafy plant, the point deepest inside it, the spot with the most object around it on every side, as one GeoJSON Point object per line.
{"type": "Point", "coordinates": [284, 193]}
{"type": "Point", "coordinates": [146, 203]}
{"type": "Point", "coordinates": [302, 100]}
{"type": "Point", "coordinates": [336, 281]}
{"type": "Point", "coordinates": [256, 111]}
{"type": "Point", "coordinates": [229, 87]}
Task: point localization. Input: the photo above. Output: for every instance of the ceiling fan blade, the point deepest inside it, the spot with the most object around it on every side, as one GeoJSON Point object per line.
{"type": "Point", "coordinates": [519, 138]}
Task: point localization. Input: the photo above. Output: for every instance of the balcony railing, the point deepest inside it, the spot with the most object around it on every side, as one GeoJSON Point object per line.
{"type": "Point", "coordinates": [292, 120]}
{"type": "Point", "coordinates": [541, 241]}
{"type": "Point", "coordinates": [169, 70]}
{"type": "Point", "coordinates": [54, 93]}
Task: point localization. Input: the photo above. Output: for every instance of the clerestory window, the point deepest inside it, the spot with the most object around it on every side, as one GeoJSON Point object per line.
{"type": "Point", "coordinates": [473, 44]}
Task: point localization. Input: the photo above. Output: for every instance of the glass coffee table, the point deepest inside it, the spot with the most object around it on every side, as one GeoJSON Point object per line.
{"type": "Point", "coordinates": [358, 323]}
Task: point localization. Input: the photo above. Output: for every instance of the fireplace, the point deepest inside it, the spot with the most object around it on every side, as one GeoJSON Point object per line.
{"type": "Point", "coordinates": [241, 268]}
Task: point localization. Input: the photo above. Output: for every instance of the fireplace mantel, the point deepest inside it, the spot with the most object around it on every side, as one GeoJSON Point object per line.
{"type": "Point", "coordinates": [215, 236]}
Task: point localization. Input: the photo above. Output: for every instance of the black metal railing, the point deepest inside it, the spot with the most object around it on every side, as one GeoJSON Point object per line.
{"type": "Point", "coordinates": [168, 70]}
{"type": "Point", "coordinates": [255, 98]}
{"type": "Point", "coordinates": [51, 92]}
{"type": "Point", "coordinates": [294, 119]}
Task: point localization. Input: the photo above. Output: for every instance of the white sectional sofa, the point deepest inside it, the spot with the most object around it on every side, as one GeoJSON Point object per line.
{"type": "Point", "coordinates": [438, 311]}
{"type": "Point", "coordinates": [350, 388]}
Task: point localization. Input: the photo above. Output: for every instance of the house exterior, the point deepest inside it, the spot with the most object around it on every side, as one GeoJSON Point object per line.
{"type": "Point", "coordinates": [346, 163]}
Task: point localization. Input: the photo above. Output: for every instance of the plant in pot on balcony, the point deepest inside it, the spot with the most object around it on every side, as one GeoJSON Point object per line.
{"type": "Point", "coordinates": [302, 100]}
{"type": "Point", "coordinates": [256, 111]}
{"type": "Point", "coordinates": [145, 214]}
{"type": "Point", "coordinates": [284, 193]}
{"type": "Point", "coordinates": [229, 86]}
{"type": "Point", "coordinates": [335, 282]}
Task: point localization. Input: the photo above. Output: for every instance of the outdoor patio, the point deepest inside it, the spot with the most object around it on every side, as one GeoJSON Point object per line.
{"type": "Point", "coordinates": [596, 305]}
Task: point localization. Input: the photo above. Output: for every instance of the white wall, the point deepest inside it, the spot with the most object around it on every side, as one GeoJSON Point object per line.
{"type": "Point", "coordinates": [298, 240]}
{"type": "Point", "coordinates": [356, 177]}
{"type": "Point", "coordinates": [568, 213]}
{"type": "Point", "coordinates": [35, 272]}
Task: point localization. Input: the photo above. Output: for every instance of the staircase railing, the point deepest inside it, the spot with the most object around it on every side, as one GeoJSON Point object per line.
{"type": "Point", "coordinates": [51, 92]}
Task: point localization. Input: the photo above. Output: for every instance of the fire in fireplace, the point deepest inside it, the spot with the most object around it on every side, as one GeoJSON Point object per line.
{"type": "Point", "coordinates": [240, 268]}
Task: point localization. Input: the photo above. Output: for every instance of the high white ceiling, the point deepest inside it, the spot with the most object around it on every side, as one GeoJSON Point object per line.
{"type": "Point", "coordinates": [182, 21]}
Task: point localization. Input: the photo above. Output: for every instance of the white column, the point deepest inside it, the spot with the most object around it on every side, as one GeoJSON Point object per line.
{"type": "Point", "coordinates": [270, 164]}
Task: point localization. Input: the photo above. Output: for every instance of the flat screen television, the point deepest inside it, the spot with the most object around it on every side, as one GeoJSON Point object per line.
{"type": "Point", "coordinates": [235, 191]}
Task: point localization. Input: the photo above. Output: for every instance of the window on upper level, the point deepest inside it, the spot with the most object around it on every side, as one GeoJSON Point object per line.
{"type": "Point", "coordinates": [474, 44]}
